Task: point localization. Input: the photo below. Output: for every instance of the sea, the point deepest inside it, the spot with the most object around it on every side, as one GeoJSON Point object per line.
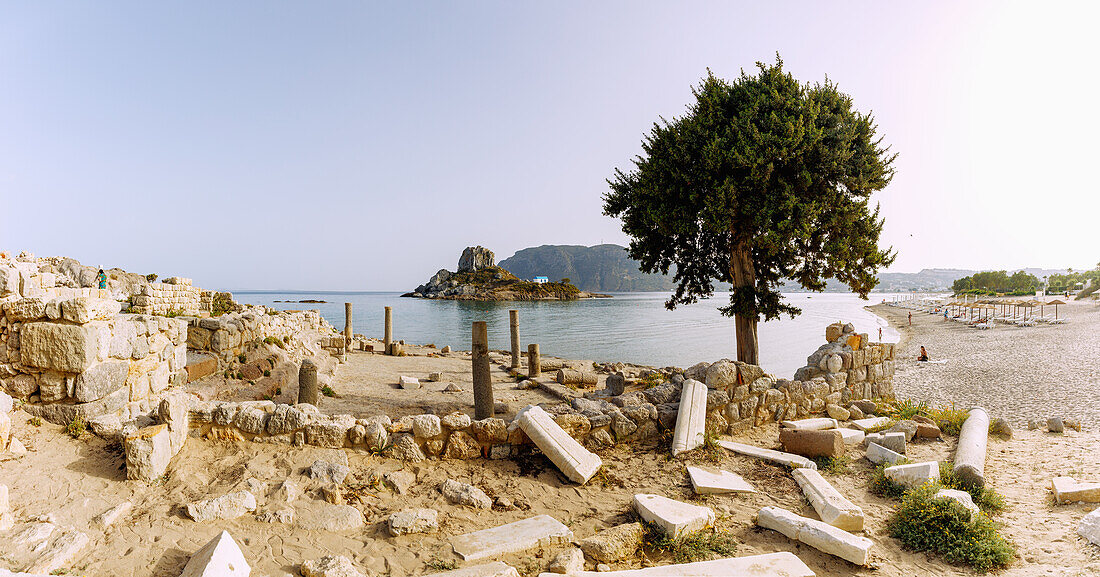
{"type": "Point", "coordinates": [629, 327]}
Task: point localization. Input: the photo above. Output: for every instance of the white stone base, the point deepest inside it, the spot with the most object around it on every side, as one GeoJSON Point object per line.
{"type": "Point", "coordinates": [830, 505]}
{"type": "Point", "coordinates": [915, 475]}
{"type": "Point", "coordinates": [1090, 527]}
{"type": "Point", "coordinates": [541, 530]}
{"type": "Point", "coordinates": [817, 424]}
{"type": "Point", "coordinates": [675, 517]}
{"type": "Point", "coordinates": [1067, 490]}
{"type": "Point", "coordinates": [768, 565]}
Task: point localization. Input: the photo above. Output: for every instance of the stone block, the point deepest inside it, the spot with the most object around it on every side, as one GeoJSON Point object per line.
{"type": "Point", "coordinates": [410, 383]}
{"type": "Point", "coordinates": [60, 553]}
{"type": "Point", "coordinates": [567, 562]}
{"type": "Point", "coordinates": [412, 521]}
{"type": "Point", "coordinates": [781, 564]}
{"type": "Point", "coordinates": [813, 443]}
{"type": "Point", "coordinates": [494, 569]}
{"type": "Point", "coordinates": [65, 348]}
{"type": "Point", "coordinates": [869, 423]}
{"type": "Point", "coordinates": [878, 454]}
{"type": "Point", "coordinates": [221, 557]}
{"type": "Point", "coordinates": [1090, 527]}
{"type": "Point", "coordinates": [465, 494]}
{"type": "Point", "coordinates": [690, 430]}
{"type": "Point", "coordinates": [541, 530]}
{"type": "Point", "coordinates": [817, 424]}
{"type": "Point", "coordinates": [893, 441]}
{"type": "Point", "coordinates": [576, 462]}
{"type": "Point", "coordinates": [100, 380]}
{"type": "Point", "coordinates": [83, 310]}
{"type": "Point", "coordinates": [676, 518]}
{"type": "Point", "coordinates": [614, 544]}
{"type": "Point", "coordinates": [914, 475]}
{"type": "Point", "coordinates": [148, 452]}
{"type": "Point", "coordinates": [852, 437]}
{"type": "Point", "coordinates": [832, 507]}
{"type": "Point", "coordinates": [816, 534]}
{"type": "Point", "coordinates": [330, 566]}
{"type": "Point", "coordinates": [779, 457]}
{"type": "Point", "coordinates": [228, 506]}
{"type": "Point", "coordinates": [1068, 490]}
{"type": "Point", "coordinates": [707, 480]}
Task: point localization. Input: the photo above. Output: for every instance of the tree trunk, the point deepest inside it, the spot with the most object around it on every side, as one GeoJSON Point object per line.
{"type": "Point", "coordinates": [743, 273]}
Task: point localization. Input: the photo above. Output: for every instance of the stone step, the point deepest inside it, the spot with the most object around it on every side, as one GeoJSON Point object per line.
{"type": "Point", "coordinates": [832, 507]}
{"type": "Point", "coordinates": [541, 530]}
{"type": "Point", "coordinates": [675, 517]}
{"type": "Point", "coordinates": [1068, 490]}
{"type": "Point", "coordinates": [914, 475]}
{"type": "Point", "coordinates": [779, 457]}
{"type": "Point", "coordinates": [494, 569]}
{"type": "Point", "coordinates": [782, 564]}
{"type": "Point", "coordinates": [691, 419]}
{"type": "Point", "coordinates": [870, 423]}
{"type": "Point", "coordinates": [578, 464]}
{"type": "Point", "coordinates": [878, 454]}
{"type": "Point", "coordinates": [816, 424]}
{"type": "Point", "coordinates": [816, 534]}
{"type": "Point", "coordinates": [707, 480]}
{"type": "Point", "coordinates": [221, 557]}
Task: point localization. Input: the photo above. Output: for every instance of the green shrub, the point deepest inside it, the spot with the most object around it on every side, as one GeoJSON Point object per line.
{"type": "Point", "coordinates": [923, 523]}
{"type": "Point", "coordinates": [907, 409]}
{"type": "Point", "coordinates": [985, 498]}
{"type": "Point", "coordinates": [698, 546]}
{"type": "Point", "coordinates": [241, 358]}
{"type": "Point", "coordinates": [651, 380]}
{"type": "Point", "coordinates": [151, 277]}
{"type": "Point", "coordinates": [35, 421]}
{"type": "Point", "coordinates": [267, 373]}
{"type": "Point", "coordinates": [275, 341]}
{"type": "Point", "coordinates": [328, 391]}
{"type": "Point", "coordinates": [948, 418]}
{"type": "Point", "coordinates": [76, 427]}
{"type": "Point", "coordinates": [832, 465]}
{"type": "Point", "coordinates": [882, 486]}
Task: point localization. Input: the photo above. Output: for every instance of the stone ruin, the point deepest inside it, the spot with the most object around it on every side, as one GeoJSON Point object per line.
{"type": "Point", "coordinates": [862, 368]}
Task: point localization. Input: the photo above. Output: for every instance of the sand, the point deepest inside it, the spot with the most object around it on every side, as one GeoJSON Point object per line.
{"type": "Point", "coordinates": [1018, 373]}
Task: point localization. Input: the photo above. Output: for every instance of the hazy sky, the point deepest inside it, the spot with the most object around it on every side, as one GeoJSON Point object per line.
{"type": "Point", "coordinates": [362, 145]}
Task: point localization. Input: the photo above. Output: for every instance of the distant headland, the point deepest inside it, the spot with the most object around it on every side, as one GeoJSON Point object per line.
{"type": "Point", "coordinates": [478, 278]}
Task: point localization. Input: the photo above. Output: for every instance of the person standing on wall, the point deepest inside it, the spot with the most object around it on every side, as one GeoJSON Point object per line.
{"type": "Point", "coordinates": [101, 278]}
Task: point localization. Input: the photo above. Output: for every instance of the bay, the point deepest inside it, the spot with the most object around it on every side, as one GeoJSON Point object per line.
{"type": "Point", "coordinates": [630, 327]}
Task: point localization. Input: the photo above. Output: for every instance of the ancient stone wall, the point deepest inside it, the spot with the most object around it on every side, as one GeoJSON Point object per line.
{"type": "Point", "coordinates": [866, 369]}
{"type": "Point", "coordinates": [174, 295]}
{"type": "Point", "coordinates": [229, 335]}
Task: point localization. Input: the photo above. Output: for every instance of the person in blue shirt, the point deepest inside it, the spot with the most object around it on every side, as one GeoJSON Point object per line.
{"type": "Point", "coordinates": [101, 278]}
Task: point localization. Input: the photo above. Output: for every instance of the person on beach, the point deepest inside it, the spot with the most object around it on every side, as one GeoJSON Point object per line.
{"type": "Point", "coordinates": [910, 319]}
{"type": "Point", "coordinates": [880, 334]}
{"type": "Point", "coordinates": [923, 355]}
{"type": "Point", "coordinates": [101, 278]}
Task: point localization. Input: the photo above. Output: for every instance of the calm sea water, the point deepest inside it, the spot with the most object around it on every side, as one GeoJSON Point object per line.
{"type": "Point", "coordinates": [631, 327]}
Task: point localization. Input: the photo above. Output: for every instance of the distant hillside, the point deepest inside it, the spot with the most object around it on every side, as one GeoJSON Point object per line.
{"type": "Point", "coordinates": [600, 268]}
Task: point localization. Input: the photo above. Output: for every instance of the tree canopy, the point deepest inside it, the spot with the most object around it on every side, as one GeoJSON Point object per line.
{"type": "Point", "coordinates": [997, 281]}
{"type": "Point", "coordinates": [765, 179]}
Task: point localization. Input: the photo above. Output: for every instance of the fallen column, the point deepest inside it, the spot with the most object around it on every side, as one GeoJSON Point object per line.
{"type": "Point", "coordinates": [768, 565]}
{"type": "Point", "coordinates": [830, 505]}
{"type": "Point", "coordinates": [676, 518]}
{"type": "Point", "coordinates": [816, 534]}
{"type": "Point", "coordinates": [575, 377]}
{"type": "Point", "coordinates": [970, 453]}
{"type": "Point", "coordinates": [817, 424]}
{"type": "Point", "coordinates": [691, 419]}
{"type": "Point", "coordinates": [578, 463]}
{"type": "Point", "coordinates": [541, 530]}
{"type": "Point", "coordinates": [778, 457]}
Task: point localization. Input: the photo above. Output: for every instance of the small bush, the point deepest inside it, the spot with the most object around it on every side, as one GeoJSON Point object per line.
{"type": "Point", "coordinates": [833, 465]}
{"type": "Point", "coordinates": [907, 409]}
{"type": "Point", "coordinates": [239, 375]}
{"type": "Point", "coordinates": [941, 525]}
{"type": "Point", "coordinates": [151, 277]}
{"type": "Point", "coordinates": [267, 373]}
{"type": "Point", "coordinates": [76, 427]}
{"type": "Point", "coordinates": [948, 418]}
{"type": "Point", "coordinates": [35, 421]}
{"type": "Point", "coordinates": [241, 358]}
{"type": "Point", "coordinates": [651, 380]}
{"type": "Point", "coordinates": [278, 391]}
{"type": "Point", "coordinates": [275, 341]}
{"type": "Point", "coordinates": [882, 486]}
{"type": "Point", "coordinates": [698, 546]}
{"type": "Point", "coordinates": [328, 391]}
{"type": "Point", "coordinates": [985, 498]}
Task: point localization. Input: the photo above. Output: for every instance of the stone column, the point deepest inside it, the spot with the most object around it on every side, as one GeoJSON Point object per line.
{"type": "Point", "coordinates": [307, 383]}
{"type": "Point", "coordinates": [483, 385]}
{"type": "Point", "coordinates": [970, 452]}
{"type": "Point", "coordinates": [534, 361]}
{"type": "Point", "coordinates": [513, 322]}
{"type": "Point", "coordinates": [347, 326]}
{"type": "Point", "coordinates": [389, 331]}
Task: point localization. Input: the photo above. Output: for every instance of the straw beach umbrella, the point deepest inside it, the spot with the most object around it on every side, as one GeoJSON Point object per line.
{"type": "Point", "coordinates": [1056, 303]}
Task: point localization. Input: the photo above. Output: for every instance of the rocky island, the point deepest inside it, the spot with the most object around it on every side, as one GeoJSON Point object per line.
{"type": "Point", "coordinates": [479, 279]}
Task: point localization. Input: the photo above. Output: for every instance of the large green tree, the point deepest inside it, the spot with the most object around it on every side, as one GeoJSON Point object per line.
{"type": "Point", "coordinates": [765, 179]}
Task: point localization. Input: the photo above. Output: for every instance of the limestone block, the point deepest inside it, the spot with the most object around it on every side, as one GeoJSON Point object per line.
{"type": "Point", "coordinates": [5, 431]}
{"type": "Point", "coordinates": [870, 423]}
{"type": "Point", "coordinates": [412, 521]}
{"type": "Point", "coordinates": [331, 432]}
{"type": "Point", "coordinates": [914, 475]}
{"type": "Point", "coordinates": [878, 454]}
{"type": "Point", "coordinates": [221, 557]}
{"type": "Point", "coordinates": [782, 564]}
{"type": "Point", "coordinates": [100, 379]}
{"type": "Point", "coordinates": [893, 441]}
{"type": "Point", "coordinates": [676, 518]}
{"type": "Point", "coordinates": [852, 437]}
{"type": "Point", "coordinates": [576, 462]}
{"type": "Point", "coordinates": [228, 506]}
{"type": "Point", "coordinates": [828, 443]}
{"type": "Point", "coordinates": [6, 402]}
{"type": "Point", "coordinates": [817, 424]}
{"type": "Point", "coordinates": [174, 411]}
{"type": "Point", "coordinates": [541, 530]}
{"type": "Point", "coordinates": [329, 472]}
{"type": "Point", "coordinates": [816, 534]}
{"type": "Point", "coordinates": [691, 418]}
{"type": "Point", "coordinates": [26, 310]}
{"type": "Point", "coordinates": [830, 505]}
{"type": "Point", "coordinates": [409, 382]}
{"type": "Point", "coordinates": [1090, 527]}
{"type": "Point", "coordinates": [111, 516]}
{"type": "Point", "coordinates": [961, 497]}
{"type": "Point", "coordinates": [1067, 490]}
{"type": "Point", "coordinates": [494, 569]}
{"type": "Point", "coordinates": [779, 457]}
{"type": "Point", "coordinates": [330, 566]}
{"type": "Point", "coordinates": [427, 426]}
{"type": "Point", "coordinates": [567, 562]}
{"type": "Point", "coordinates": [614, 544]}
{"type": "Point", "coordinates": [84, 310]}
{"type": "Point", "coordinates": [322, 516]}
{"type": "Point", "coordinates": [465, 494]}
{"type": "Point", "coordinates": [970, 452]}
{"type": "Point", "coordinates": [148, 452]}
{"type": "Point", "coordinates": [60, 553]}
{"type": "Point", "coordinates": [65, 348]}
{"type": "Point", "coordinates": [707, 480]}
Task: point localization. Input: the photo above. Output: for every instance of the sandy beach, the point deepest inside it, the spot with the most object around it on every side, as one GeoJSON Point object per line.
{"type": "Point", "coordinates": [1018, 373]}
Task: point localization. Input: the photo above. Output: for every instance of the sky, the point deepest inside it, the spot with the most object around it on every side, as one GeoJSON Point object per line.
{"type": "Point", "coordinates": [362, 145]}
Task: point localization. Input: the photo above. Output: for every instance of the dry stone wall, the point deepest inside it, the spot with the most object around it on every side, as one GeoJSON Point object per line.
{"type": "Point", "coordinates": [229, 335]}
{"type": "Point", "coordinates": [863, 368]}
{"type": "Point", "coordinates": [174, 295]}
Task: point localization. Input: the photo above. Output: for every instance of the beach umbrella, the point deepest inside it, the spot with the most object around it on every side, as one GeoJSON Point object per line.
{"type": "Point", "coordinates": [1056, 303]}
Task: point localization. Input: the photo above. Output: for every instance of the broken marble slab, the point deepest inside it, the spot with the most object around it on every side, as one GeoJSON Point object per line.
{"type": "Point", "coordinates": [832, 507]}
{"type": "Point", "coordinates": [541, 530]}
{"type": "Point", "coordinates": [1068, 490]}
{"type": "Point", "coordinates": [675, 517]}
{"type": "Point", "coordinates": [576, 462]}
{"type": "Point", "coordinates": [816, 424]}
{"type": "Point", "coordinates": [781, 564]}
{"type": "Point", "coordinates": [779, 457]}
{"type": "Point", "coordinates": [816, 534]}
{"type": "Point", "coordinates": [707, 480]}
{"type": "Point", "coordinates": [869, 423]}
